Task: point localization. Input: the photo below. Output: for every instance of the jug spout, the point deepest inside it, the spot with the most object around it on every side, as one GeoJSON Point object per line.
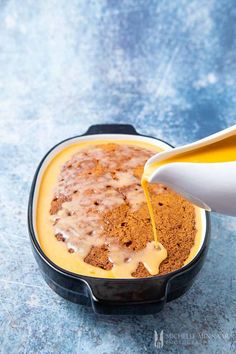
{"type": "Point", "coordinates": [211, 186]}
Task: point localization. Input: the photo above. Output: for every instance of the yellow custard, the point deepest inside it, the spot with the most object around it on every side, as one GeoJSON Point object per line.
{"type": "Point", "coordinates": [152, 255]}
{"type": "Point", "coordinates": [144, 184]}
{"type": "Point", "coordinates": [219, 151]}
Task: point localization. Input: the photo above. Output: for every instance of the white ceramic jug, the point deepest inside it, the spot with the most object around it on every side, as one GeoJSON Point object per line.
{"type": "Point", "coordinates": [211, 186]}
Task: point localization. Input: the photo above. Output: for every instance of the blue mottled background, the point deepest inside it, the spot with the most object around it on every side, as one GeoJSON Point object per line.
{"type": "Point", "coordinates": [167, 67]}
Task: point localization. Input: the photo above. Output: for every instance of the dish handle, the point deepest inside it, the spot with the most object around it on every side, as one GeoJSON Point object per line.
{"type": "Point", "coordinates": [127, 296]}
{"type": "Point", "coordinates": [111, 129]}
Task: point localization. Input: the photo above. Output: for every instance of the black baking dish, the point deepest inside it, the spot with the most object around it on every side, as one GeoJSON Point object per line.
{"type": "Point", "coordinates": [114, 296]}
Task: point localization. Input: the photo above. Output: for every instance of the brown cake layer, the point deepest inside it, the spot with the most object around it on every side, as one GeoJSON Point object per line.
{"type": "Point", "coordinates": [127, 223]}
{"type": "Point", "coordinates": [175, 220]}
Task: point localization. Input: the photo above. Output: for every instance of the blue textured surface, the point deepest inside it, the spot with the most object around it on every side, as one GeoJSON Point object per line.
{"type": "Point", "coordinates": [167, 67]}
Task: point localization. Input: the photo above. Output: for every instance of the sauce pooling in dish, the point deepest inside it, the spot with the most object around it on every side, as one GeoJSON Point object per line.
{"type": "Point", "coordinates": [99, 215]}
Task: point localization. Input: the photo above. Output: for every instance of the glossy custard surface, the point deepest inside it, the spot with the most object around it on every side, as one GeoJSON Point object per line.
{"type": "Point", "coordinates": [89, 197]}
